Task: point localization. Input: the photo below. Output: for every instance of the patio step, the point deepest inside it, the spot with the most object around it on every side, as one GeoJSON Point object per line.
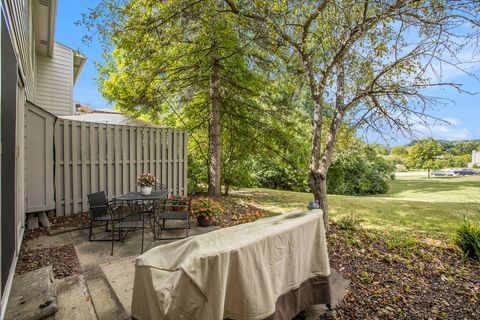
{"type": "Point", "coordinates": [33, 296]}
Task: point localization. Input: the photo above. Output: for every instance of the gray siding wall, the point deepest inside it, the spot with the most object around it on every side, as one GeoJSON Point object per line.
{"type": "Point", "coordinates": [91, 157]}
{"type": "Point", "coordinates": [20, 14]}
{"type": "Point", "coordinates": [55, 82]}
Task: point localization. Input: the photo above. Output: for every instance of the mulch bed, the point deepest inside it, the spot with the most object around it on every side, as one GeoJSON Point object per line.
{"type": "Point", "coordinates": [63, 260]}
{"type": "Point", "coordinates": [35, 233]}
{"type": "Point", "coordinates": [238, 213]}
{"type": "Point", "coordinates": [403, 277]}
{"type": "Point", "coordinates": [71, 221]}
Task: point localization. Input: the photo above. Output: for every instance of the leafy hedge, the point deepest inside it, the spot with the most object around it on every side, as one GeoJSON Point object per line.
{"type": "Point", "coordinates": [359, 171]}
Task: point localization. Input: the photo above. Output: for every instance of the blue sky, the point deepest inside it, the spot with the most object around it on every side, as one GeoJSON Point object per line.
{"type": "Point", "coordinates": [463, 111]}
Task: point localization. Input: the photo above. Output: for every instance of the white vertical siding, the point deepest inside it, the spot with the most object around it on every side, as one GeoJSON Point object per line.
{"type": "Point", "coordinates": [55, 81]}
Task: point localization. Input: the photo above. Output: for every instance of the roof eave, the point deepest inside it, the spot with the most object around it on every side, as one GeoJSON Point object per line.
{"type": "Point", "coordinates": [78, 69]}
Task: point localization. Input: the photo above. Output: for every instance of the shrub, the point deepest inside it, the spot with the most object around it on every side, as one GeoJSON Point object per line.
{"type": "Point", "coordinates": [206, 207]}
{"type": "Point", "coordinates": [348, 223]}
{"type": "Point", "coordinates": [359, 171]}
{"type": "Point", "coordinates": [401, 168]}
{"type": "Point", "coordinates": [468, 239]}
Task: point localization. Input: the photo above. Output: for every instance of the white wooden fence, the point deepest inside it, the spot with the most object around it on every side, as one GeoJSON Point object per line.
{"type": "Point", "coordinates": [92, 157]}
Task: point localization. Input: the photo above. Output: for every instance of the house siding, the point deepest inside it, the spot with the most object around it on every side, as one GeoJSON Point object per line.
{"type": "Point", "coordinates": [54, 86]}
{"type": "Point", "coordinates": [20, 13]}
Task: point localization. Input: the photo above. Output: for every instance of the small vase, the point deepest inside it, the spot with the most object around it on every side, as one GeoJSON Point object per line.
{"type": "Point", "coordinates": [203, 222]}
{"type": "Point", "coordinates": [146, 190]}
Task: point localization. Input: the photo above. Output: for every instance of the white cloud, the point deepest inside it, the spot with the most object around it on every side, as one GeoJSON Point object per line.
{"type": "Point", "coordinates": [442, 130]}
{"type": "Point", "coordinates": [452, 121]}
{"type": "Point", "coordinates": [466, 62]}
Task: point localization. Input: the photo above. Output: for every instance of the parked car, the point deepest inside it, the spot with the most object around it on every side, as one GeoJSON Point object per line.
{"type": "Point", "coordinates": [466, 172]}
{"type": "Point", "coordinates": [442, 173]}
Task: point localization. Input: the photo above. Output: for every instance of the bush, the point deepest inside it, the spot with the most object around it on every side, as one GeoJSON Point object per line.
{"type": "Point", "coordinates": [206, 207]}
{"type": "Point", "coordinates": [359, 171]}
{"type": "Point", "coordinates": [468, 239]}
{"type": "Point", "coordinates": [348, 223]}
{"type": "Point", "coordinates": [401, 168]}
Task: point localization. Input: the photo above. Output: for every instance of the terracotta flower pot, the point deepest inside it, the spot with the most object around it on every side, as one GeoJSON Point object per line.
{"type": "Point", "coordinates": [203, 222]}
{"type": "Point", "coordinates": [178, 208]}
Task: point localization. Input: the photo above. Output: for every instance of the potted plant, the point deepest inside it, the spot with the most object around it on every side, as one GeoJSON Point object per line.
{"type": "Point", "coordinates": [206, 210]}
{"type": "Point", "coordinates": [179, 200]}
{"type": "Point", "coordinates": [146, 181]}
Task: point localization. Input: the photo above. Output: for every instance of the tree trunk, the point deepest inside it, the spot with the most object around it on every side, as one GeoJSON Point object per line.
{"type": "Point", "coordinates": [428, 173]}
{"type": "Point", "coordinates": [319, 169]}
{"type": "Point", "coordinates": [214, 187]}
{"type": "Point", "coordinates": [318, 184]}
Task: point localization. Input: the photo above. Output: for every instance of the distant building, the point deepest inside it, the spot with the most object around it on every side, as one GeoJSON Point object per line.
{"type": "Point", "coordinates": [108, 116]}
{"type": "Point", "coordinates": [475, 159]}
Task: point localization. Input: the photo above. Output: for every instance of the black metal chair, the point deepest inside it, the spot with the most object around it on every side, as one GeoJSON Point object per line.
{"type": "Point", "coordinates": [131, 222]}
{"type": "Point", "coordinates": [101, 210]}
{"type": "Point", "coordinates": [169, 211]}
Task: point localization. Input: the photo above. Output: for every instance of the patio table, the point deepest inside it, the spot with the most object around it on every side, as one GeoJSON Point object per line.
{"type": "Point", "coordinates": [138, 198]}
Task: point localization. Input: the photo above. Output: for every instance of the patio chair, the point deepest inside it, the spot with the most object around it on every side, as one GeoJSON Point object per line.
{"type": "Point", "coordinates": [131, 222]}
{"type": "Point", "coordinates": [168, 211]}
{"type": "Point", "coordinates": [101, 210]}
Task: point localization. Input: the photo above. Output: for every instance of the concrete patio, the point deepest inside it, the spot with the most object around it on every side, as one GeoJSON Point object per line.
{"type": "Point", "coordinates": [110, 277]}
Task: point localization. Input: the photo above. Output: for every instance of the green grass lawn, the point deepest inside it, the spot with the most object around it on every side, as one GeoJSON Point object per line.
{"type": "Point", "coordinates": [434, 206]}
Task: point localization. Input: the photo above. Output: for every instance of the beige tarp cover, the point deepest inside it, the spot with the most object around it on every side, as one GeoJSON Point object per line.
{"type": "Point", "coordinates": [237, 272]}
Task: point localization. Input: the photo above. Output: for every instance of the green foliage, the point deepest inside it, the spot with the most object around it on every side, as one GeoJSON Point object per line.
{"type": "Point", "coordinates": [399, 151]}
{"type": "Point", "coordinates": [367, 277]}
{"type": "Point", "coordinates": [349, 223]}
{"type": "Point", "coordinates": [206, 207]}
{"type": "Point", "coordinates": [394, 159]}
{"type": "Point", "coordinates": [468, 239]}
{"type": "Point", "coordinates": [461, 161]}
{"type": "Point", "coordinates": [359, 170]}
{"type": "Point", "coordinates": [446, 161]}
{"type": "Point", "coordinates": [460, 148]}
{"type": "Point", "coordinates": [158, 65]}
{"type": "Point", "coordinates": [404, 243]}
{"type": "Point", "coordinates": [423, 155]}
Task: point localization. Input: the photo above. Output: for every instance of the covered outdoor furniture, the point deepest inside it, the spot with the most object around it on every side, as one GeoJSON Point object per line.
{"type": "Point", "coordinates": [269, 269]}
{"type": "Point", "coordinates": [101, 210]}
{"type": "Point", "coordinates": [170, 211]}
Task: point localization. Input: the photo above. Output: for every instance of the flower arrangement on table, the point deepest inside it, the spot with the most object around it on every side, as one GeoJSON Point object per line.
{"type": "Point", "coordinates": [206, 210]}
{"type": "Point", "coordinates": [146, 181]}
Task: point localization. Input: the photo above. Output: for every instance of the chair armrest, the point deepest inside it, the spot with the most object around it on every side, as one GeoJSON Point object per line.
{"type": "Point", "coordinates": [99, 206]}
{"type": "Point", "coordinates": [113, 204]}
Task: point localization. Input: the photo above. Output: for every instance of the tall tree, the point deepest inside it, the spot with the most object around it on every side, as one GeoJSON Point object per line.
{"type": "Point", "coordinates": [366, 62]}
{"type": "Point", "coordinates": [423, 155]}
{"type": "Point", "coordinates": [180, 62]}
